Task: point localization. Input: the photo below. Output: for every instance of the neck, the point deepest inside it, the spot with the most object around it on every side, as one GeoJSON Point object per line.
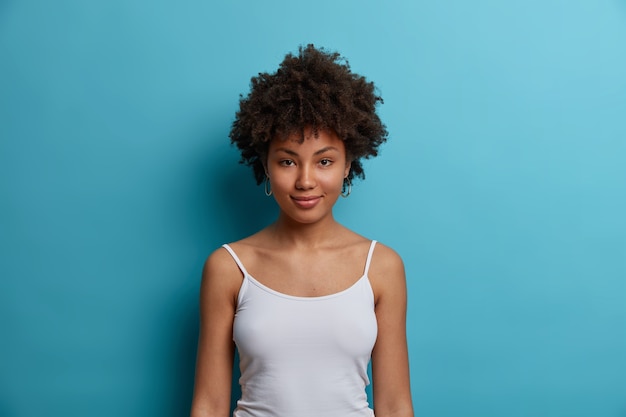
{"type": "Point", "coordinates": [310, 235]}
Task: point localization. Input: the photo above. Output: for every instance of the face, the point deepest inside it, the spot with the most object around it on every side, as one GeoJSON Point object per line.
{"type": "Point", "coordinates": [307, 177]}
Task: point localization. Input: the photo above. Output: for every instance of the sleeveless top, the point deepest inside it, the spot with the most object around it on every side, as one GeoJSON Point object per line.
{"type": "Point", "coordinates": [304, 356]}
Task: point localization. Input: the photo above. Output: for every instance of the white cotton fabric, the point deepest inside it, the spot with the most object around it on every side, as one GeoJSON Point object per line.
{"type": "Point", "coordinates": [304, 356]}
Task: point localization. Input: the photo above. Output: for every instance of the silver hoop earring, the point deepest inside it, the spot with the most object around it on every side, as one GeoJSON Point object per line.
{"type": "Point", "coordinates": [346, 189]}
{"type": "Point", "coordinates": [268, 186]}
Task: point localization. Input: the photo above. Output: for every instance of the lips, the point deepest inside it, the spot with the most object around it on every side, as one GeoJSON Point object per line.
{"type": "Point", "coordinates": [306, 201]}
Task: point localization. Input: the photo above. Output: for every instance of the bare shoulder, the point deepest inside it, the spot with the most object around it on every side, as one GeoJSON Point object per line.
{"type": "Point", "coordinates": [221, 262]}
{"type": "Point", "coordinates": [386, 273]}
{"type": "Point", "coordinates": [221, 274]}
{"type": "Point", "coordinates": [386, 261]}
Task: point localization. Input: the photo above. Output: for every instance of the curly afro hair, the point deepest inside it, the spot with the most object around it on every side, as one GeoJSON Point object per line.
{"type": "Point", "coordinates": [315, 89]}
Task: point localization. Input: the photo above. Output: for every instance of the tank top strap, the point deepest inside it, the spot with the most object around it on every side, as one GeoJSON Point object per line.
{"type": "Point", "coordinates": [236, 258]}
{"type": "Point", "coordinates": [369, 257]}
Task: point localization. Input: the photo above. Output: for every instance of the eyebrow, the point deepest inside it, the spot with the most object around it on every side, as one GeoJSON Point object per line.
{"type": "Point", "coordinates": [318, 152]}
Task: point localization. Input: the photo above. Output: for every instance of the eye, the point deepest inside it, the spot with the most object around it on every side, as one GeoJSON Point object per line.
{"type": "Point", "coordinates": [325, 162]}
{"type": "Point", "coordinates": [286, 163]}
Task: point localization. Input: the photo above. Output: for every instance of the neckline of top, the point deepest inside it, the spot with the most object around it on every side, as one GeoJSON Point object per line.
{"type": "Point", "coordinates": [301, 297]}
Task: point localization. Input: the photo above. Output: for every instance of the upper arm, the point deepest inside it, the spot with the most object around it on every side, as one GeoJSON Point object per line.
{"type": "Point", "coordinates": [221, 280]}
{"type": "Point", "coordinates": [390, 365]}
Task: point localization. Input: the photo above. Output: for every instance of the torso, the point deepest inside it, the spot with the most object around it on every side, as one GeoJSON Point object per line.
{"type": "Point", "coordinates": [304, 343]}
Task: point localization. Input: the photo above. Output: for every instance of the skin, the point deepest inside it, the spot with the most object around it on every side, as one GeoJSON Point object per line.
{"type": "Point", "coordinates": [308, 244]}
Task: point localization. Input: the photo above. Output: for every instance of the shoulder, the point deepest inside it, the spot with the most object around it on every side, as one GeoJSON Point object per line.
{"type": "Point", "coordinates": [220, 262]}
{"type": "Point", "coordinates": [386, 274]}
{"type": "Point", "coordinates": [386, 260]}
{"type": "Point", "coordinates": [221, 275]}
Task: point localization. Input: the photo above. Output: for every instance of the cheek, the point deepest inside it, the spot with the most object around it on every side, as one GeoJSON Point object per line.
{"type": "Point", "coordinates": [281, 182]}
{"type": "Point", "coordinates": [334, 181]}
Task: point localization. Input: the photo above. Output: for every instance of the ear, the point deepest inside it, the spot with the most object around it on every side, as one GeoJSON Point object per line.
{"type": "Point", "coordinates": [347, 170]}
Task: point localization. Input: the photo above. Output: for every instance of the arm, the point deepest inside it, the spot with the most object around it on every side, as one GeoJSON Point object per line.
{"type": "Point", "coordinates": [390, 363]}
{"type": "Point", "coordinates": [221, 280]}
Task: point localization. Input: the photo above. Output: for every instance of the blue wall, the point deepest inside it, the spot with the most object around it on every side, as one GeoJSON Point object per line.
{"type": "Point", "coordinates": [503, 186]}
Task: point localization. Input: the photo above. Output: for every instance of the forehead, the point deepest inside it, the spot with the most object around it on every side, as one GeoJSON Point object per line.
{"type": "Point", "coordinates": [310, 141]}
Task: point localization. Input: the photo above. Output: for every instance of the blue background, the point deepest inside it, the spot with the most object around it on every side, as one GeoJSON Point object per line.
{"type": "Point", "coordinates": [503, 186]}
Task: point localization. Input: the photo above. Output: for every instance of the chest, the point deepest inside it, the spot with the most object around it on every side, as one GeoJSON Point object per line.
{"type": "Point", "coordinates": [269, 324]}
{"type": "Point", "coordinates": [308, 276]}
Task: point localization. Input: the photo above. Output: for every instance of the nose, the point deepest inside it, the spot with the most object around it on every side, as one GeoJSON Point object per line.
{"type": "Point", "coordinates": [306, 178]}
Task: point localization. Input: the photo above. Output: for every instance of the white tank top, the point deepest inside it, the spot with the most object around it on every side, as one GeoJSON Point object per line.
{"type": "Point", "coordinates": [304, 356]}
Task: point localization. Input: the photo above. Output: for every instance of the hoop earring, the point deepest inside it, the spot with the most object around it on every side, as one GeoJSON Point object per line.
{"type": "Point", "coordinates": [268, 186]}
{"type": "Point", "coordinates": [346, 184]}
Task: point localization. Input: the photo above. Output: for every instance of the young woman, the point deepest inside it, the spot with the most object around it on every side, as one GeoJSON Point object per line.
{"type": "Point", "coordinates": [306, 301]}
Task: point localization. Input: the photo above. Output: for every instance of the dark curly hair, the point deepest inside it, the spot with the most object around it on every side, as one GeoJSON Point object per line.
{"type": "Point", "coordinates": [314, 89]}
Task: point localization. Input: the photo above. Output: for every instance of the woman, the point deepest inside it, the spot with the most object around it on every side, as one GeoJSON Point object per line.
{"type": "Point", "coordinates": [305, 300]}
